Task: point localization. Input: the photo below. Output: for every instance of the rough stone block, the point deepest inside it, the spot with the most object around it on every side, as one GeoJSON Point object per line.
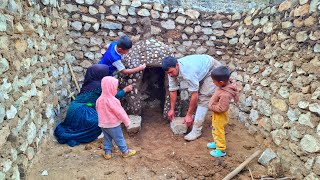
{"type": "Point", "coordinates": [135, 124]}
{"type": "Point", "coordinates": [4, 131]}
{"type": "Point", "coordinates": [177, 126]}
{"type": "Point", "coordinates": [266, 157]}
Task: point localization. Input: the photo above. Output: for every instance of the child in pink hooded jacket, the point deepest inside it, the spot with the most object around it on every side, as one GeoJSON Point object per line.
{"type": "Point", "coordinates": [111, 114]}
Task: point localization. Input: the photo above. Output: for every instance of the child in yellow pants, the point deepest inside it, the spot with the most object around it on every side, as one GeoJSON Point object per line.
{"type": "Point", "coordinates": [219, 104]}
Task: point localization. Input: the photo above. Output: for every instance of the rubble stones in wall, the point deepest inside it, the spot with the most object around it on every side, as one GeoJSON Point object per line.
{"type": "Point", "coordinates": [25, 80]}
{"type": "Point", "coordinates": [149, 51]}
{"type": "Point", "coordinates": [276, 50]}
{"type": "Point", "coordinates": [310, 144]}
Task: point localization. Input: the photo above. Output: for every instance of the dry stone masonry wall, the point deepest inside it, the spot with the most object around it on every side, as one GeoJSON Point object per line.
{"type": "Point", "coordinates": [33, 79]}
{"type": "Point", "coordinates": [273, 52]}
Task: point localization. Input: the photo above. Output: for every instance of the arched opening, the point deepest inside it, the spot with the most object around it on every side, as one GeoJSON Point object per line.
{"type": "Point", "coordinates": [152, 90]}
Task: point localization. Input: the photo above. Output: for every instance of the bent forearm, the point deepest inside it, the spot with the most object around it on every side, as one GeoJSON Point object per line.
{"type": "Point", "coordinates": [173, 99]}
{"type": "Point", "coordinates": [193, 103]}
{"type": "Point", "coordinates": [130, 71]}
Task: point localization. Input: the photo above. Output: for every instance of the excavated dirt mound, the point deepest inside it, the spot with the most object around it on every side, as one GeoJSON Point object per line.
{"type": "Point", "coordinates": [161, 155]}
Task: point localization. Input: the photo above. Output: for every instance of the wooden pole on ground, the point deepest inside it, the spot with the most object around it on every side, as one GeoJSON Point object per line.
{"type": "Point", "coordinates": [74, 77]}
{"type": "Point", "coordinates": [241, 166]}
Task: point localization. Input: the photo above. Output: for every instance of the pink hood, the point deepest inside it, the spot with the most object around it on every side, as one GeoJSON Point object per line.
{"type": "Point", "coordinates": [110, 112]}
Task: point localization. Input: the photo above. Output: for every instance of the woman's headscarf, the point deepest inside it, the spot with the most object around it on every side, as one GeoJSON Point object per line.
{"type": "Point", "coordinates": [93, 77]}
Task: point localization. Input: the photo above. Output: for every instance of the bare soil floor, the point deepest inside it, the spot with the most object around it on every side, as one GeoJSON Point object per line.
{"type": "Point", "coordinates": [161, 155]}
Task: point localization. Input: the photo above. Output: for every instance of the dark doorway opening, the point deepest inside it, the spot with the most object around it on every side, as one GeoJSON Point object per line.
{"type": "Point", "coordinates": [153, 95]}
{"type": "Point", "coordinates": [152, 89]}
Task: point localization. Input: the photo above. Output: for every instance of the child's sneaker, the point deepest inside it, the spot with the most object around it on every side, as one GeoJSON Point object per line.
{"type": "Point", "coordinates": [217, 153]}
{"type": "Point", "coordinates": [107, 156]}
{"type": "Point", "coordinates": [129, 153]}
{"type": "Point", "coordinates": [212, 145]}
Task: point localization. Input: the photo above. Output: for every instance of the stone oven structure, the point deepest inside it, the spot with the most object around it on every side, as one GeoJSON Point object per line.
{"type": "Point", "coordinates": [150, 85]}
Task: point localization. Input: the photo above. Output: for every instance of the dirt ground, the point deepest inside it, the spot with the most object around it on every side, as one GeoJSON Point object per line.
{"type": "Point", "coordinates": [161, 155]}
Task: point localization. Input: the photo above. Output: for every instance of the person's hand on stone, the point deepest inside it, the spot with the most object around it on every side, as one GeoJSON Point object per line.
{"type": "Point", "coordinates": [142, 67]}
{"type": "Point", "coordinates": [128, 88]}
{"type": "Point", "coordinates": [188, 120]}
{"type": "Point", "coordinates": [171, 115]}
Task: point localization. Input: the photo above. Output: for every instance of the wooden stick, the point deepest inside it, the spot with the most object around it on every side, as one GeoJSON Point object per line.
{"type": "Point", "coordinates": [74, 77]}
{"type": "Point", "coordinates": [269, 178]}
{"type": "Point", "coordinates": [250, 173]}
{"type": "Point", "coordinates": [241, 166]}
{"type": "Point", "coordinates": [72, 96]}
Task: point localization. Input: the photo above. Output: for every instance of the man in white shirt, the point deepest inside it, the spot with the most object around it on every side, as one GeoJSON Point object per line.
{"type": "Point", "coordinates": [195, 70]}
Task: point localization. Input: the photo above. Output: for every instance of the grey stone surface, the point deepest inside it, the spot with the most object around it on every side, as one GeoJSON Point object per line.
{"type": "Point", "coordinates": [316, 166]}
{"type": "Point", "coordinates": [277, 121]}
{"type": "Point", "coordinates": [310, 143]}
{"type": "Point", "coordinates": [266, 157]}
{"type": "Point", "coordinates": [254, 115]}
{"type": "Point", "coordinates": [264, 107]}
{"type": "Point", "coordinates": [10, 114]}
{"type": "Point", "coordinates": [177, 126]}
{"type": "Point", "coordinates": [305, 119]}
{"type": "Point", "coordinates": [4, 65]}
{"type": "Point", "coordinates": [135, 125]}
{"type": "Point", "coordinates": [5, 131]}
{"type": "Point", "coordinates": [169, 24]}
{"type": "Point", "coordinates": [293, 114]}
{"type": "Point", "coordinates": [111, 25]}
{"type": "Point", "coordinates": [114, 9]}
{"type": "Point", "coordinates": [279, 135]}
{"type": "Point", "coordinates": [144, 12]}
{"type": "Point", "coordinates": [311, 176]}
{"type": "Point", "coordinates": [315, 107]}
{"type": "Point", "coordinates": [136, 3]}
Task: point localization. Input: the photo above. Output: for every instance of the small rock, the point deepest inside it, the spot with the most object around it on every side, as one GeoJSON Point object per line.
{"type": "Point", "coordinates": [135, 125]}
{"type": "Point", "coordinates": [315, 107]}
{"type": "Point", "coordinates": [230, 33]}
{"type": "Point", "coordinates": [266, 157]}
{"type": "Point", "coordinates": [178, 126]}
{"type": "Point", "coordinates": [44, 173]}
{"type": "Point", "coordinates": [311, 176]}
{"type": "Point", "coordinates": [313, 6]}
{"type": "Point", "coordinates": [280, 104]}
{"type": "Point", "coordinates": [305, 119]}
{"type": "Point", "coordinates": [285, 5]}
{"type": "Point", "coordinates": [136, 3]}
{"type": "Point", "coordinates": [143, 12]}
{"type": "Point", "coordinates": [192, 14]}
{"type": "Point", "coordinates": [169, 24]}
{"type": "Point", "coordinates": [248, 147]}
{"type": "Point", "coordinates": [267, 28]}
{"type": "Point", "coordinates": [87, 147]}
{"type": "Point", "coordinates": [316, 48]}
{"type": "Point", "coordinates": [302, 36]}
{"type": "Point", "coordinates": [310, 143]}
{"type": "Point", "coordinates": [310, 21]}
{"type": "Point", "coordinates": [275, 169]}
{"type": "Point", "coordinates": [301, 10]}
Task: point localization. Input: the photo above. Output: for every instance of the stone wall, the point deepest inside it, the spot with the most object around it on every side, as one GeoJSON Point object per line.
{"type": "Point", "coordinates": [33, 79]}
{"type": "Point", "coordinates": [274, 53]}
{"type": "Point", "coordinates": [216, 5]}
